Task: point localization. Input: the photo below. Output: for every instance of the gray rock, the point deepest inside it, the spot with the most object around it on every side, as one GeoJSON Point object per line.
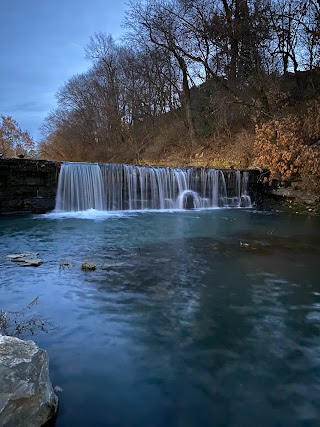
{"type": "Point", "coordinates": [31, 262]}
{"type": "Point", "coordinates": [27, 398]}
{"type": "Point", "coordinates": [22, 256]}
{"type": "Point", "coordinates": [27, 259]}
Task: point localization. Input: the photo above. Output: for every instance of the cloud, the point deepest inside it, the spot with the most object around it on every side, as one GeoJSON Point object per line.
{"type": "Point", "coordinates": [43, 48]}
{"type": "Point", "coordinates": [30, 106]}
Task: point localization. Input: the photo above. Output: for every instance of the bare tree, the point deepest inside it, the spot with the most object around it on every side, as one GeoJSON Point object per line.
{"type": "Point", "coordinates": [225, 39]}
{"type": "Point", "coordinates": [231, 54]}
{"type": "Point", "coordinates": [151, 22]}
{"type": "Point", "coordinates": [310, 36]}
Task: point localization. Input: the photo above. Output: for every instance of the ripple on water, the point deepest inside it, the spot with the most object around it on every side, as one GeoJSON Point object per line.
{"type": "Point", "coordinates": [313, 316]}
{"type": "Point", "coordinates": [182, 326]}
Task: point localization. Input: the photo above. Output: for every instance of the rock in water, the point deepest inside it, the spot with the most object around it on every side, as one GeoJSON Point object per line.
{"type": "Point", "coordinates": [35, 262]}
{"type": "Point", "coordinates": [27, 259]}
{"type": "Point", "coordinates": [27, 398]}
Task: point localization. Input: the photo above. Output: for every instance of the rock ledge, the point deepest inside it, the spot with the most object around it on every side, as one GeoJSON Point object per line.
{"type": "Point", "coordinates": [27, 398]}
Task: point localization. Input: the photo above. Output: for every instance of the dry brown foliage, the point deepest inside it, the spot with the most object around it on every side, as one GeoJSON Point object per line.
{"type": "Point", "coordinates": [13, 140]}
{"type": "Point", "coordinates": [290, 147]}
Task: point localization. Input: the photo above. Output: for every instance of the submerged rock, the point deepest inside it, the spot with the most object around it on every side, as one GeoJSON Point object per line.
{"type": "Point", "coordinates": [63, 264]}
{"type": "Point", "coordinates": [31, 262]}
{"type": "Point", "coordinates": [14, 257]}
{"type": "Point", "coordinates": [27, 398]}
{"type": "Point", "coordinates": [88, 266]}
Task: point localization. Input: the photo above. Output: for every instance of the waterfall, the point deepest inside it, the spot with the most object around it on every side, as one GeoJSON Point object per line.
{"type": "Point", "coordinates": [110, 187]}
{"type": "Point", "coordinates": [80, 187]}
{"type": "Point", "coordinates": [245, 198]}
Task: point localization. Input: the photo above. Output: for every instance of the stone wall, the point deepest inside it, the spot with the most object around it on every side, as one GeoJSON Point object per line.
{"type": "Point", "coordinates": [28, 186]}
{"type": "Point", "coordinates": [254, 185]}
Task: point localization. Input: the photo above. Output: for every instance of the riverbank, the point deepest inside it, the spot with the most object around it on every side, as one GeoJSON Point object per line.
{"type": "Point", "coordinates": [290, 201]}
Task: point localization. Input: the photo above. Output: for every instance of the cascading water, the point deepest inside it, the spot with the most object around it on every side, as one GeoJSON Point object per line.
{"type": "Point", "coordinates": [110, 187]}
{"type": "Point", "coordinates": [80, 187]}
{"type": "Point", "coordinates": [245, 198]}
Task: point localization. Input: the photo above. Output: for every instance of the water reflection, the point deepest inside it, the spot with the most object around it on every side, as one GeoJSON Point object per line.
{"type": "Point", "coordinates": [180, 325]}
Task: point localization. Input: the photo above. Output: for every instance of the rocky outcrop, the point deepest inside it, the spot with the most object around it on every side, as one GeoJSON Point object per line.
{"type": "Point", "coordinates": [28, 185]}
{"type": "Point", "coordinates": [27, 398]}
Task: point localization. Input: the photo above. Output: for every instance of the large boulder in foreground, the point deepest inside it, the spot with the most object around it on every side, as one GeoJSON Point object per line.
{"type": "Point", "coordinates": [27, 398]}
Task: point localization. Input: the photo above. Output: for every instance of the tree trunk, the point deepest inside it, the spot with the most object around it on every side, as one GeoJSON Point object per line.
{"type": "Point", "coordinates": [186, 100]}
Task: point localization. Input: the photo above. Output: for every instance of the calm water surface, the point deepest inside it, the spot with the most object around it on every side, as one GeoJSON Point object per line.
{"type": "Point", "coordinates": [203, 318]}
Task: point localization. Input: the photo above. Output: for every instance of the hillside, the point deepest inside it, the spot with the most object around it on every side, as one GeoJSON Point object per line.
{"type": "Point", "coordinates": [230, 133]}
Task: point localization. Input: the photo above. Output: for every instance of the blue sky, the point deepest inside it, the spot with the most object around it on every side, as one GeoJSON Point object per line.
{"type": "Point", "coordinates": [42, 45]}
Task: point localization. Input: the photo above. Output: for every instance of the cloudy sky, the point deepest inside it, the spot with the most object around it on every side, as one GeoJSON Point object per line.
{"type": "Point", "coordinates": [42, 45]}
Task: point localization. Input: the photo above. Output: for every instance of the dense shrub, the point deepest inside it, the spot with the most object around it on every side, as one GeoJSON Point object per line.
{"type": "Point", "coordinates": [290, 147]}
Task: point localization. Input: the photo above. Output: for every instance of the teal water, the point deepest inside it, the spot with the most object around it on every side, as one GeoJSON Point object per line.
{"type": "Point", "coordinates": [194, 318]}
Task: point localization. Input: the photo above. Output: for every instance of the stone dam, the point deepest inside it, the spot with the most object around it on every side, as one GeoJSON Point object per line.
{"type": "Point", "coordinates": [32, 186]}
